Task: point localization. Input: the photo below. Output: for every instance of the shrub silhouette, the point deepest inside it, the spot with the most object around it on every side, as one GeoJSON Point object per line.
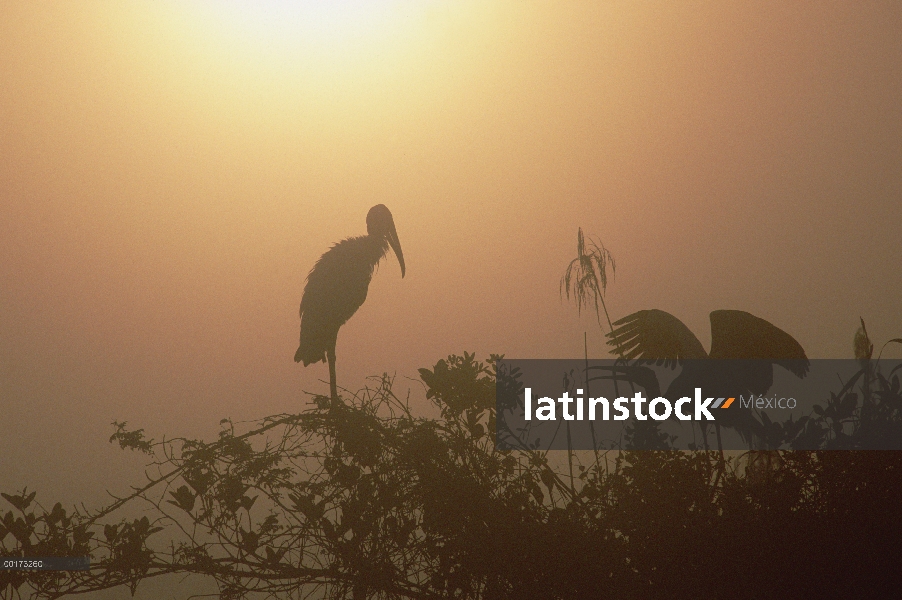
{"type": "Point", "coordinates": [360, 498]}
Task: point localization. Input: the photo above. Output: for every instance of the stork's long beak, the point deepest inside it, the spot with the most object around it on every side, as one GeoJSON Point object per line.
{"type": "Point", "coordinates": [396, 246]}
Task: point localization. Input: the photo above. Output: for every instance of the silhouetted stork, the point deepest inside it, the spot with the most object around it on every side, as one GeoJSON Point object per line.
{"type": "Point", "coordinates": [754, 344]}
{"type": "Point", "coordinates": [337, 286]}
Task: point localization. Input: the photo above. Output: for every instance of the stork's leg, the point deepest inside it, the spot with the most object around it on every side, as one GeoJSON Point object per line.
{"type": "Point", "coordinates": [330, 355]}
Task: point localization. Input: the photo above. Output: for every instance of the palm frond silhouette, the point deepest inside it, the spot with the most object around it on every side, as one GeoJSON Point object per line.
{"type": "Point", "coordinates": [753, 344]}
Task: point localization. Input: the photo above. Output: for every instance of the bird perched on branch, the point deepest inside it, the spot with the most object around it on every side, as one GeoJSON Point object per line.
{"type": "Point", "coordinates": [337, 286]}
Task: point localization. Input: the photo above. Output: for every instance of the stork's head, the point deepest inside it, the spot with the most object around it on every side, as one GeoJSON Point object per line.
{"type": "Point", "coordinates": [380, 224]}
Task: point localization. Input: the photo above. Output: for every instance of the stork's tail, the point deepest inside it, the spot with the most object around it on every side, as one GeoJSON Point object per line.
{"type": "Point", "coordinates": [308, 356]}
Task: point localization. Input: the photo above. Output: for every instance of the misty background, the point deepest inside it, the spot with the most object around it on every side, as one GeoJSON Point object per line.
{"type": "Point", "coordinates": [169, 173]}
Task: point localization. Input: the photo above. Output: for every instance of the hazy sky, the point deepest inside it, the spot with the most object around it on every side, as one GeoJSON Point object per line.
{"type": "Point", "coordinates": [170, 171]}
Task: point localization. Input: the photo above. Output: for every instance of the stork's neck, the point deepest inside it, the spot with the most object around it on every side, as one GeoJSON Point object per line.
{"type": "Point", "coordinates": [377, 247]}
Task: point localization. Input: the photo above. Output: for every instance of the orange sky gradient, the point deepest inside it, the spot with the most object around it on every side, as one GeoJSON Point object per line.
{"type": "Point", "coordinates": [170, 171]}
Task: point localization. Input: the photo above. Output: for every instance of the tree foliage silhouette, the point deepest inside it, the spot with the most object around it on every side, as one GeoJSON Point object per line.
{"type": "Point", "coordinates": [360, 498]}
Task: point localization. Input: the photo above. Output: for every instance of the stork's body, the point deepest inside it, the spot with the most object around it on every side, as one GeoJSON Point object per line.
{"type": "Point", "coordinates": [337, 286]}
